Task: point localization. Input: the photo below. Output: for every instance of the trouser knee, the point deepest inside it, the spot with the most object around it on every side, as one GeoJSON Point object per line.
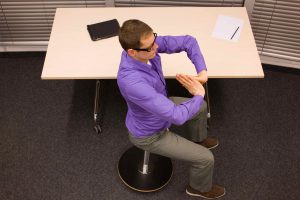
{"type": "Point", "coordinates": [203, 107]}
{"type": "Point", "coordinates": [206, 161]}
{"type": "Point", "coordinates": [202, 111]}
{"type": "Point", "coordinates": [210, 159]}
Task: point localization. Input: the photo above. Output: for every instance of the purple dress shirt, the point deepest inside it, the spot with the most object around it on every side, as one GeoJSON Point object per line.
{"type": "Point", "coordinates": [144, 88]}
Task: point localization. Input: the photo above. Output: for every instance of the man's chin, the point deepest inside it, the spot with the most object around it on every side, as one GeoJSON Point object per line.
{"type": "Point", "coordinates": [153, 55]}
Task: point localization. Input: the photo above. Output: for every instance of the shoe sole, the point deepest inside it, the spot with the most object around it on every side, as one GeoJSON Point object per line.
{"type": "Point", "coordinates": [213, 146]}
{"type": "Point", "coordinates": [198, 195]}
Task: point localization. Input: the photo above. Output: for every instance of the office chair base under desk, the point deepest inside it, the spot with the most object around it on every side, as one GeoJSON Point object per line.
{"type": "Point", "coordinates": [131, 168]}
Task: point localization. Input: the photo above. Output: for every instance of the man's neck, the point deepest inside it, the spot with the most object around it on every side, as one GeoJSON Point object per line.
{"type": "Point", "coordinates": [141, 60]}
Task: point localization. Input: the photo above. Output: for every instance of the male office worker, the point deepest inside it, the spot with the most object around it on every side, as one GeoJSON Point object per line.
{"type": "Point", "coordinates": [151, 112]}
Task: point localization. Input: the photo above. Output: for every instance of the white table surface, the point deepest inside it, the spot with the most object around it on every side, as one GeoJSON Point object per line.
{"type": "Point", "coordinates": [71, 54]}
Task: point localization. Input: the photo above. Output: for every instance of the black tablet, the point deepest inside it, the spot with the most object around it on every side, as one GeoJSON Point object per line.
{"type": "Point", "coordinates": [104, 29]}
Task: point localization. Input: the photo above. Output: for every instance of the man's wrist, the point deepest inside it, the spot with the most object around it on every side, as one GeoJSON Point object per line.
{"type": "Point", "coordinates": [199, 94]}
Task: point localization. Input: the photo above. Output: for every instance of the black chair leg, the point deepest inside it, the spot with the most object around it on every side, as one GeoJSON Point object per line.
{"type": "Point", "coordinates": [208, 104]}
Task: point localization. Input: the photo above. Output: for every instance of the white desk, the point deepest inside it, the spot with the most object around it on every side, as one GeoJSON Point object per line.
{"type": "Point", "coordinates": [72, 54]}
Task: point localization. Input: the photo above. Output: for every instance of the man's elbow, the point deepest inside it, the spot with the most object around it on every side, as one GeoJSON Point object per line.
{"type": "Point", "coordinates": [178, 121]}
{"type": "Point", "coordinates": [191, 38]}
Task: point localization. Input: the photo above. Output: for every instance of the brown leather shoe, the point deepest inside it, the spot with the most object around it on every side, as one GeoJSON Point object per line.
{"type": "Point", "coordinates": [215, 192]}
{"type": "Point", "coordinates": [209, 143]}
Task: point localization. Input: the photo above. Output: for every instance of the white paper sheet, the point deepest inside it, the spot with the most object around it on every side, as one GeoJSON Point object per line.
{"type": "Point", "coordinates": [228, 28]}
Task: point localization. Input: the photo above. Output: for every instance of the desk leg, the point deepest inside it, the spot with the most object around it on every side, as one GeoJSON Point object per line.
{"type": "Point", "coordinates": [97, 126]}
{"type": "Point", "coordinates": [208, 104]}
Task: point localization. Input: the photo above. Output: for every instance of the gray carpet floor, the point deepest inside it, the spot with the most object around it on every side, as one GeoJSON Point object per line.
{"type": "Point", "coordinates": [49, 150]}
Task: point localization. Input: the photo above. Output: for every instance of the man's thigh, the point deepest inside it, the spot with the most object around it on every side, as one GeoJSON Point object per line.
{"type": "Point", "coordinates": [174, 146]}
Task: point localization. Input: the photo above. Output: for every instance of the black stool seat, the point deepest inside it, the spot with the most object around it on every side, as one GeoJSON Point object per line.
{"type": "Point", "coordinates": [130, 170]}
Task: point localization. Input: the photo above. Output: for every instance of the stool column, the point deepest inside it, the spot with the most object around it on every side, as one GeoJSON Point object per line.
{"type": "Point", "coordinates": [143, 174]}
{"type": "Point", "coordinates": [146, 162]}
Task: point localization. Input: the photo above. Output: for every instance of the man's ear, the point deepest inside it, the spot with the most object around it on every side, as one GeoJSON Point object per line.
{"type": "Point", "coordinates": [131, 52]}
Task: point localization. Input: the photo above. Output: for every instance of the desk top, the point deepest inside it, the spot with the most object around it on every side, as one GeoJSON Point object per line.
{"type": "Point", "coordinates": [71, 54]}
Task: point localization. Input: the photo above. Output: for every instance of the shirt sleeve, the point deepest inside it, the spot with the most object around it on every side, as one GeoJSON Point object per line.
{"type": "Point", "coordinates": [187, 43]}
{"type": "Point", "coordinates": [147, 98]}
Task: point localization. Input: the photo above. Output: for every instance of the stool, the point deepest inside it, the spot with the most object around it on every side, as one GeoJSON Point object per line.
{"type": "Point", "coordinates": [142, 174]}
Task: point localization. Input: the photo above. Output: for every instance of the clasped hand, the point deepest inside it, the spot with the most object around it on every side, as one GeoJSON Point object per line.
{"type": "Point", "coordinates": [191, 83]}
{"type": "Point", "coordinates": [202, 77]}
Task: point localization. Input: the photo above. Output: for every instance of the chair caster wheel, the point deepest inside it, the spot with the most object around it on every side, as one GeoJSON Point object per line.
{"type": "Point", "coordinates": [97, 128]}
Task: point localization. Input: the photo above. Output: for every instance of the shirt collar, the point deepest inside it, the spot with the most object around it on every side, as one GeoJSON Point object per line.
{"type": "Point", "coordinates": [138, 64]}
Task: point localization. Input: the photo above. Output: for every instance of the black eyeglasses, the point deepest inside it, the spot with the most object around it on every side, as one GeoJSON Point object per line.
{"type": "Point", "coordinates": [149, 48]}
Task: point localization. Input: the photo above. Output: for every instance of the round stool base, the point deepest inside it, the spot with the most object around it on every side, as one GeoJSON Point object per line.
{"type": "Point", "coordinates": [130, 172]}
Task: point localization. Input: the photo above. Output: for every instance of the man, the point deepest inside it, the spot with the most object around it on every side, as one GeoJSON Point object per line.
{"type": "Point", "coordinates": [151, 112]}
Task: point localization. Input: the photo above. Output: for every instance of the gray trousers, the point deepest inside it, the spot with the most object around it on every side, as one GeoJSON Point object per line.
{"type": "Point", "coordinates": [169, 144]}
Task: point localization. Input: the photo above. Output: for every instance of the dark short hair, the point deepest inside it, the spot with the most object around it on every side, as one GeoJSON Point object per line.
{"type": "Point", "coordinates": [131, 33]}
